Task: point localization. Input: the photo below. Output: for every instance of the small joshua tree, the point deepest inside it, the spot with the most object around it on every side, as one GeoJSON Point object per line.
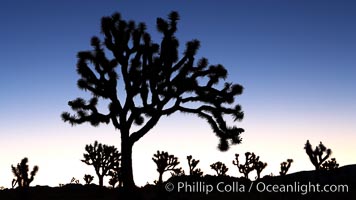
{"type": "Point", "coordinates": [102, 157]}
{"type": "Point", "coordinates": [21, 173]}
{"type": "Point", "coordinates": [220, 168]}
{"type": "Point", "coordinates": [316, 156]}
{"type": "Point", "coordinates": [285, 167]}
{"type": "Point", "coordinates": [252, 162]}
{"type": "Point", "coordinates": [246, 168]}
{"type": "Point", "coordinates": [88, 178]}
{"type": "Point", "coordinates": [330, 164]}
{"type": "Point", "coordinates": [165, 162]}
{"type": "Point", "coordinates": [192, 167]}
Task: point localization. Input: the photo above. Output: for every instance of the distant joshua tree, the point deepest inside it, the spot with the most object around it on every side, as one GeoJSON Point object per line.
{"type": "Point", "coordinates": [246, 168]}
{"type": "Point", "coordinates": [155, 83]}
{"type": "Point", "coordinates": [165, 162]}
{"type": "Point", "coordinates": [192, 167]}
{"type": "Point", "coordinates": [22, 178]}
{"type": "Point", "coordinates": [88, 178]}
{"type": "Point", "coordinates": [330, 164]}
{"type": "Point", "coordinates": [102, 157]}
{"type": "Point", "coordinates": [220, 168]}
{"type": "Point", "coordinates": [285, 167]}
{"type": "Point", "coordinates": [316, 156]}
{"type": "Point", "coordinates": [252, 162]}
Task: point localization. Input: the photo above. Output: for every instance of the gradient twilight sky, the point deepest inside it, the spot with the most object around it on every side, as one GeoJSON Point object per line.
{"type": "Point", "coordinates": [295, 58]}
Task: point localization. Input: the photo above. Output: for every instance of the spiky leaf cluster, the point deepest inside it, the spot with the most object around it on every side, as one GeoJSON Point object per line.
{"type": "Point", "coordinates": [316, 155]}
{"type": "Point", "coordinates": [156, 81]}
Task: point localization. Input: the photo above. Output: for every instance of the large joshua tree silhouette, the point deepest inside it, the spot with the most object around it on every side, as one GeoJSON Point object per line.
{"type": "Point", "coordinates": [155, 83]}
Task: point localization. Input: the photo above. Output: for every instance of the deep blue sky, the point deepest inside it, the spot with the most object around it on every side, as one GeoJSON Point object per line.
{"type": "Point", "coordinates": [295, 58]}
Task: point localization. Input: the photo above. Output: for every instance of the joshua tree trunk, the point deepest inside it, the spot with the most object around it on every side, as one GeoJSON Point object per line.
{"type": "Point", "coordinates": [160, 179]}
{"type": "Point", "coordinates": [126, 161]}
{"type": "Point", "coordinates": [101, 180]}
